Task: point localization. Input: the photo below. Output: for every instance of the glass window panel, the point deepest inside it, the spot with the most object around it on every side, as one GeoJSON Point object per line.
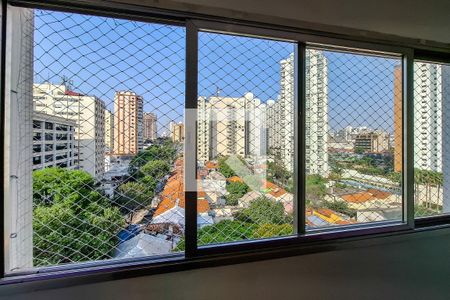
{"type": "Point", "coordinates": [431, 138]}
{"type": "Point", "coordinates": [245, 138]}
{"type": "Point", "coordinates": [353, 139]}
{"type": "Point", "coordinates": [111, 91]}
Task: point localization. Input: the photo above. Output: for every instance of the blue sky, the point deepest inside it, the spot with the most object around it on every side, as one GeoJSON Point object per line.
{"type": "Point", "coordinates": [102, 55]}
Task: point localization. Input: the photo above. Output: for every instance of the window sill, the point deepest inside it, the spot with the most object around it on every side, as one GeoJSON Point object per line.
{"type": "Point", "coordinates": [249, 251]}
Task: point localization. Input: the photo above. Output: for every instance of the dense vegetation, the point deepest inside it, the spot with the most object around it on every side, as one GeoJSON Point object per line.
{"type": "Point", "coordinates": [147, 169]}
{"type": "Point", "coordinates": [263, 218]}
{"type": "Point", "coordinates": [72, 222]}
{"type": "Point", "coordinates": [235, 191]}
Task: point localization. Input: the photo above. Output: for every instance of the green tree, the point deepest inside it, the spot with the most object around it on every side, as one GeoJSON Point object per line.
{"type": "Point", "coordinates": [155, 169]}
{"type": "Point", "coordinates": [165, 151]}
{"type": "Point", "coordinates": [133, 195]}
{"type": "Point", "coordinates": [340, 207]}
{"type": "Point", "coordinates": [233, 166]}
{"type": "Point", "coordinates": [237, 188]}
{"type": "Point", "coordinates": [336, 173]}
{"type": "Point", "coordinates": [51, 185]}
{"type": "Point", "coordinates": [315, 189]}
{"type": "Point", "coordinates": [359, 150]}
{"type": "Point", "coordinates": [263, 211]}
{"type": "Point", "coordinates": [272, 230]}
{"type": "Point", "coordinates": [222, 232]}
{"type": "Point", "coordinates": [277, 172]}
{"type": "Point", "coordinates": [232, 200]}
{"type": "Point", "coordinates": [395, 177]}
{"type": "Point", "coordinates": [72, 222]}
{"type": "Point", "coordinates": [224, 168]}
{"type": "Point", "coordinates": [149, 182]}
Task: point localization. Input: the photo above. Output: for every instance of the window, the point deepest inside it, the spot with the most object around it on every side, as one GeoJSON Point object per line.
{"type": "Point", "coordinates": [37, 124]}
{"type": "Point", "coordinates": [431, 141]}
{"type": "Point", "coordinates": [37, 136]}
{"type": "Point", "coordinates": [107, 58]}
{"type": "Point", "coordinates": [37, 148]}
{"type": "Point", "coordinates": [246, 176]}
{"type": "Point", "coordinates": [285, 138]}
{"type": "Point", "coordinates": [354, 138]}
{"type": "Point", "coordinates": [49, 136]}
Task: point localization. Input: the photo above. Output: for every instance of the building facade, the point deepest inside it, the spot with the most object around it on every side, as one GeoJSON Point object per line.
{"type": "Point", "coordinates": [128, 123]}
{"type": "Point", "coordinates": [53, 142]}
{"type": "Point", "coordinates": [428, 116]}
{"type": "Point", "coordinates": [398, 119]}
{"type": "Point", "coordinates": [109, 131]}
{"type": "Point", "coordinates": [281, 115]}
{"type": "Point", "coordinates": [373, 141]}
{"type": "Point", "coordinates": [231, 126]}
{"type": "Point", "coordinates": [150, 126]}
{"type": "Point", "coordinates": [88, 112]}
{"type": "Point", "coordinates": [177, 132]}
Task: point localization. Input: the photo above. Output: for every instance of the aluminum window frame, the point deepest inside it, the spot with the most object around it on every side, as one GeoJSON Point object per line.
{"type": "Point", "coordinates": [304, 41]}
{"type": "Point", "coordinates": [236, 252]}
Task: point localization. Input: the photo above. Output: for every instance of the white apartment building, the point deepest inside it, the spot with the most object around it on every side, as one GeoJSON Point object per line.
{"type": "Point", "coordinates": [281, 114]}
{"type": "Point", "coordinates": [428, 116]}
{"type": "Point", "coordinates": [53, 142]}
{"type": "Point", "coordinates": [109, 131]}
{"type": "Point", "coordinates": [230, 126]}
{"type": "Point", "coordinates": [89, 114]}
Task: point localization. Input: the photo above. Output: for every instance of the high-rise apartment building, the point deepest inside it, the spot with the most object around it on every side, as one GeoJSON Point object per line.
{"type": "Point", "coordinates": [109, 131]}
{"type": "Point", "coordinates": [398, 123]}
{"type": "Point", "coordinates": [150, 127]}
{"type": "Point", "coordinates": [177, 132]}
{"type": "Point", "coordinates": [128, 123]}
{"type": "Point", "coordinates": [428, 117]}
{"type": "Point", "coordinates": [231, 126]}
{"type": "Point", "coordinates": [281, 114]}
{"type": "Point", "coordinates": [88, 112]}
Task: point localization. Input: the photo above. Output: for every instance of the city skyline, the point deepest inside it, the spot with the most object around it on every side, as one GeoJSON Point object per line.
{"type": "Point", "coordinates": [152, 76]}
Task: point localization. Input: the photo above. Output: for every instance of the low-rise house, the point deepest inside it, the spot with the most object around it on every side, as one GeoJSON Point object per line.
{"type": "Point", "coordinates": [245, 200]}
{"type": "Point", "coordinates": [372, 199]}
{"type": "Point", "coordinates": [273, 191]}
{"type": "Point", "coordinates": [143, 245]}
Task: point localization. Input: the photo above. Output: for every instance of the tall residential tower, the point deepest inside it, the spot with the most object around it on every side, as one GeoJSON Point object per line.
{"type": "Point", "coordinates": [128, 123]}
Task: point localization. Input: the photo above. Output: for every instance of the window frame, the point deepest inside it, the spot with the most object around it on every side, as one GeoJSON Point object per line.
{"type": "Point", "coordinates": [243, 251]}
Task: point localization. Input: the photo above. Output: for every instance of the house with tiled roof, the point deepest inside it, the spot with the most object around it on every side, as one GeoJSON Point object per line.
{"type": "Point", "coordinates": [273, 191]}
{"type": "Point", "coordinates": [372, 199]}
{"type": "Point", "coordinates": [171, 208]}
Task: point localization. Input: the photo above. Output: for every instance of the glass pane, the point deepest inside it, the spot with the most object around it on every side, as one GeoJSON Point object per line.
{"type": "Point", "coordinates": [353, 139]}
{"type": "Point", "coordinates": [102, 179]}
{"type": "Point", "coordinates": [245, 138]}
{"type": "Point", "coordinates": [431, 138]}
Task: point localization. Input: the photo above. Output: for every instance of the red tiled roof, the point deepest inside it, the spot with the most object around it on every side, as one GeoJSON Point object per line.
{"type": "Point", "coordinates": [170, 202]}
{"type": "Point", "coordinates": [370, 194]}
{"type": "Point", "coordinates": [275, 190]}
{"type": "Point", "coordinates": [379, 194]}
{"type": "Point", "coordinates": [173, 193]}
{"type": "Point", "coordinates": [235, 179]}
{"type": "Point", "coordinates": [72, 93]}
{"type": "Point", "coordinates": [211, 165]}
{"type": "Point", "coordinates": [357, 197]}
